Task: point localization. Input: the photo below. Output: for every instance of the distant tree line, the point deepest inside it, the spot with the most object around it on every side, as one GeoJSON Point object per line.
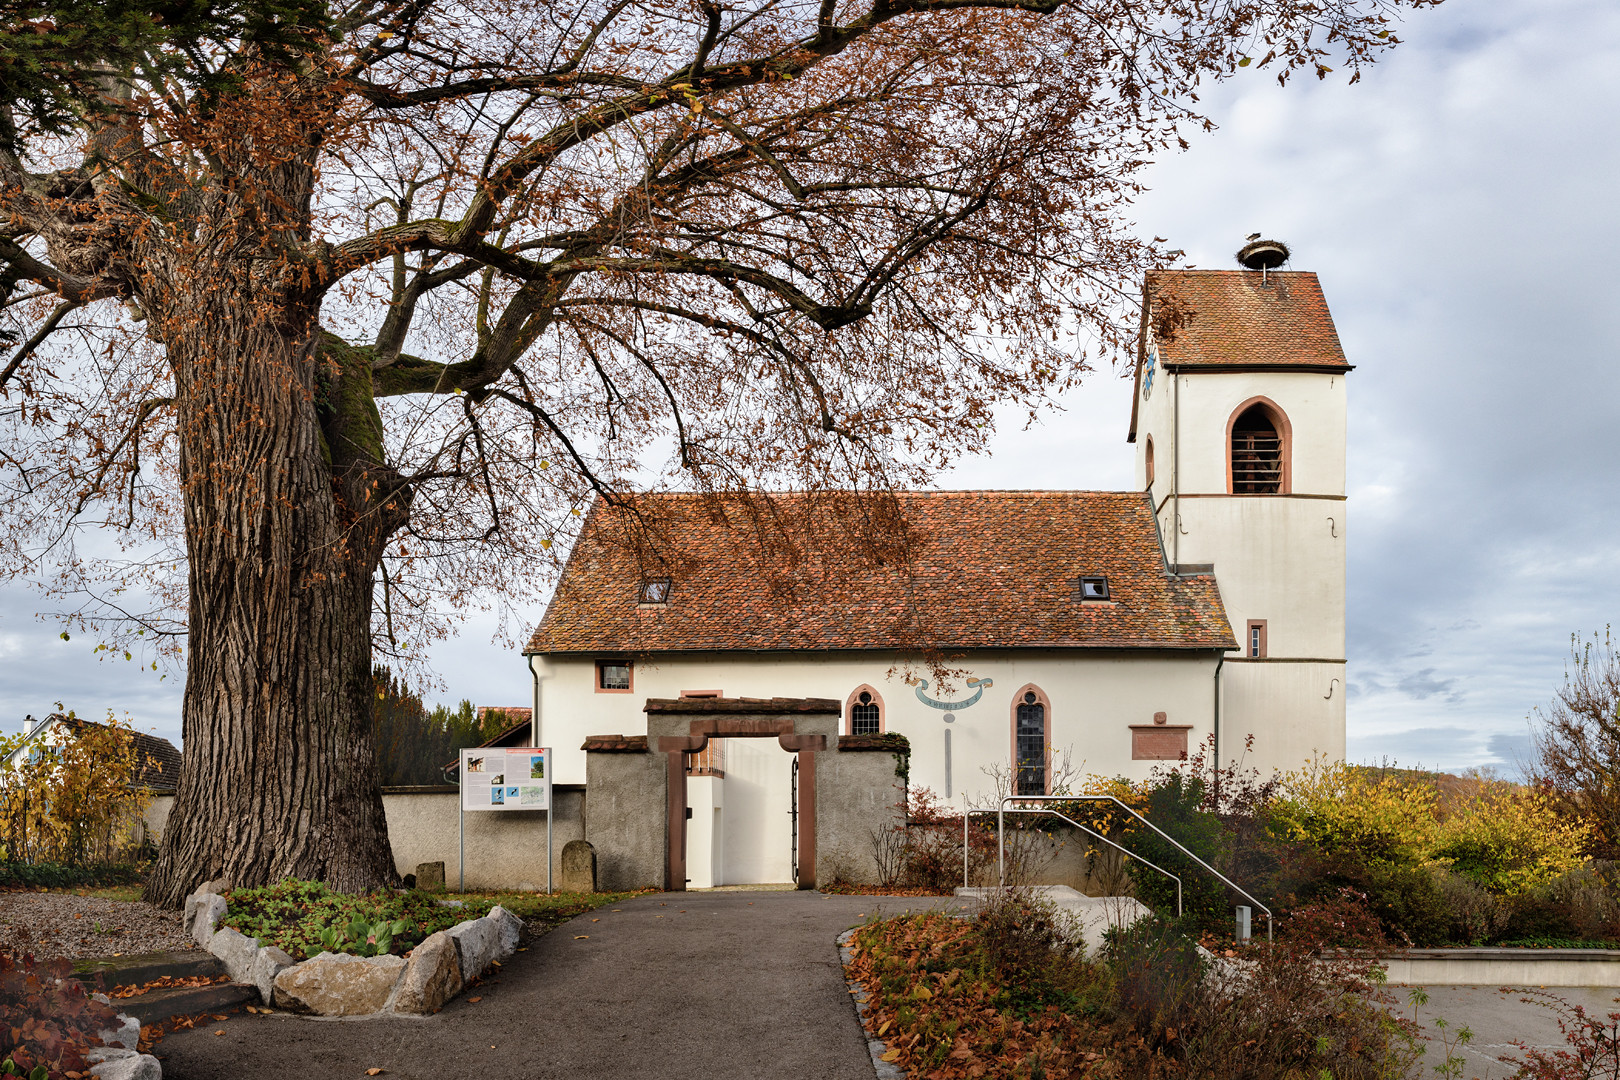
{"type": "Point", "coordinates": [414, 744]}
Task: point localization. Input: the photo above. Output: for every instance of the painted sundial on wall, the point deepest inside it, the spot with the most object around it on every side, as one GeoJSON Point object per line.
{"type": "Point", "coordinates": [1149, 366]}
{"type": "Point", "coordinates": [950, 709]}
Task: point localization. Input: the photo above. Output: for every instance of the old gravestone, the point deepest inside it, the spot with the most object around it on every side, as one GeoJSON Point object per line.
{"type": "Point", "coordinates": [578, 867]}
{"type": "Point", "coordinates": [430, 876]}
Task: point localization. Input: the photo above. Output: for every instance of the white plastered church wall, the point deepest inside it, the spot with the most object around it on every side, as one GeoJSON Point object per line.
{"type": "Point", "coordinates": [1095, 696]}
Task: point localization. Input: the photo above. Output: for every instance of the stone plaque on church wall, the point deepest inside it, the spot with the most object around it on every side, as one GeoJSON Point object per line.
{"type": "Point", "coordinates": [1159, 742]}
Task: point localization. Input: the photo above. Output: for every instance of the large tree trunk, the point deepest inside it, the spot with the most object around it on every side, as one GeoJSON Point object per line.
{"type": "Point", "coordinates": [286, 511]}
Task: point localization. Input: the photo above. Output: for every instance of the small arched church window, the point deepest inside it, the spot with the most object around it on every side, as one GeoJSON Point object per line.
{"type": "Point", "coordinates": [1147, 457]}
{"type": "Point", "coordinates": [865, 713]}
{"type": "Point", "coordinates": [1029, 739]}
{"type": "Point", "coordinates": [1257, 453]}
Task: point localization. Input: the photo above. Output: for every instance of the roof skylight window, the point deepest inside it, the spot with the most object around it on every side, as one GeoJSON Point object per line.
{"type": "Point", "coordinates": [1094, 588]}
{"type": "Point", "coordinates": [654, 591]}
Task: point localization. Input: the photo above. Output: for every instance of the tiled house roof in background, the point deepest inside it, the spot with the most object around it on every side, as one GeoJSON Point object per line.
{"type": "Point", "coordinates": [1235, 320]}
{"type": "Point", "coordinates": [516, 714]}
{"type": "Point", "coordinates": [161, 768]}
{"type": "Point", "coordinates": [989, 569]}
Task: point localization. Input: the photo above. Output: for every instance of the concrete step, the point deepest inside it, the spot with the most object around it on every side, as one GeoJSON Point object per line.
{"type": "Point", "coordinates": [118, 971]}
{"type": "Point", "coordinates": [156, 1006]}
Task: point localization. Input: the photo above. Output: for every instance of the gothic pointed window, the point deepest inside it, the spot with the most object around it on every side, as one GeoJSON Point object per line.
{"type": "Point", "coordinates": [865, 711]}
{"type": "Point", "coordinates": [1259, 463]}
{"type": "Point", "coordinates": [1030, 736]}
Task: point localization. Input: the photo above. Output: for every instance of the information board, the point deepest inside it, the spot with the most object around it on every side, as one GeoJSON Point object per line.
{"type": "Point", "coordinates": [505, 778]}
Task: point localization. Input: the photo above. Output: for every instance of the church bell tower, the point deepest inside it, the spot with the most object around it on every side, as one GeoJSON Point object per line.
{"type": "Point", "coordinates": [1239, 426]}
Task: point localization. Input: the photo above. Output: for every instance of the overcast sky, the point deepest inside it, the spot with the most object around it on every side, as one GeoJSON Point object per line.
{"type": "Point", "coordinates": [1460, 205]}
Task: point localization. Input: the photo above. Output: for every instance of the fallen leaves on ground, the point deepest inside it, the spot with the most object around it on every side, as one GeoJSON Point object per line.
{"type": "Point", "coordinates": [939, 1021]}
{"type": "Point", "coordinates": [169, 982]}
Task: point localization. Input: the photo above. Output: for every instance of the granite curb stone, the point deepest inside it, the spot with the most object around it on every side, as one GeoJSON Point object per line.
{"type": "Point", "coordinates": [885, 1070]}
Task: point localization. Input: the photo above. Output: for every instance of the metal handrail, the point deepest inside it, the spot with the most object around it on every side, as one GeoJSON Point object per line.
{"type": "Point", "coordinates": [1089, 832]}
{"type": "Point", "coordinates": [1001, 859]}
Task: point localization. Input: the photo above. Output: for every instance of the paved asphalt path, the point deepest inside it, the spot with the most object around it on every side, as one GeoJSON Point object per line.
{"type": "Point", "coordinates": [1498, 1018]}
{"type": "Point", "coordinates": [705, 985]}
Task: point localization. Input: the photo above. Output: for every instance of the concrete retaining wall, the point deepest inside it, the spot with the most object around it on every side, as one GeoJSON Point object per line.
{"type": "Point", "coordinates": [506, 849]}
{"type": "Point", "coordinates": [1505, 967]}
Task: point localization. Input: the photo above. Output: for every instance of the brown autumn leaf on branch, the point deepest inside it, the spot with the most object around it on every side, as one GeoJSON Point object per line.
{"type": "Point", "coordinates": [328, 324]}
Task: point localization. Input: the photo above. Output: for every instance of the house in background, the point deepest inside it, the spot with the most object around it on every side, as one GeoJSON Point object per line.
{"type": "Point", "coordinates": [160, 761]}
{"type": "Point", "coordinates": [158, 775]}
{"type": "Point", "coordinates": [1089, 632]}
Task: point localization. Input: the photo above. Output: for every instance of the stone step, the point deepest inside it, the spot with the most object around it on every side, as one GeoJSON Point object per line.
{"type": "Point", "coordinates": [118, 971]}
{"type": "Point", "coordinates": [156, 1006]}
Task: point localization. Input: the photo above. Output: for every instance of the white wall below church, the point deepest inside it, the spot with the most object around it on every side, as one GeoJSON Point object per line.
{"type": "Point", "coordinates": [1095, 697]}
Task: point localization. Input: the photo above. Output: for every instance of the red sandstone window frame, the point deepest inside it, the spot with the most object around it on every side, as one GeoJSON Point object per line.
{"type": "Point", "coordinates": [628, 665]}
{"type": "Point", "coordinates": [1046, 735]}
{"type": "Point", "coordinates": [854, 699]}
{"type": "Point", "coordinates": [1254, 640]}
{"type": "Point", "coordinates": [1285, 432]}
{"type": "Point", "coordinates": [1148, 459]}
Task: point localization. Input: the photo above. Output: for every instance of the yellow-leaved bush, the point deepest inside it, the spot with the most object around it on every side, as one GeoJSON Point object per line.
{"type": "Point", "coordinates": [1510, 839]}
{"type": "Point", "coordinates": [76, 800]}
{"type": "Point", "coordinates": [1339, 809]}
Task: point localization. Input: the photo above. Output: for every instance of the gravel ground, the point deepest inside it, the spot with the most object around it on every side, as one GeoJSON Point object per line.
{"type": "Point", "coordinates": [61, 924]}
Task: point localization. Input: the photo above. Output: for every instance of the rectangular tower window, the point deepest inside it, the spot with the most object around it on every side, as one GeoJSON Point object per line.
{"type": "Point", "coordinates": [613, 676]}
{"type": "Point", "coordinates": [1255, 646]}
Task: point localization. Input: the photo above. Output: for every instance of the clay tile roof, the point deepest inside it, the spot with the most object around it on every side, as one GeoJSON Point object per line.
{"type": "Point", "coordinates": [988, 569]}
{"type": "Point", "coordinates": [1237, 321]}
{"type": "Point", "coordinates": [160, 764]}
{"type": "Point", "coordinates": [616, 744]}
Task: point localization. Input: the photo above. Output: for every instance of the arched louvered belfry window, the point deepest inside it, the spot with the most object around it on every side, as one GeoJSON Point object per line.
{"type": "Point", "coordinates": [1032, 730]}
{"type": "Point", "coordinates": [1259, 445]}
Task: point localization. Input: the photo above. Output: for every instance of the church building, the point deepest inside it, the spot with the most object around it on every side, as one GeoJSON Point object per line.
{"type": "Point", "coordinates": [1068, 632]}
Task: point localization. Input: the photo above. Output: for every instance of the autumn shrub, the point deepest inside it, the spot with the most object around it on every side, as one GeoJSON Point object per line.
{"type": "Point", "coordinates": [1282, 1014]}
{"type": "Point", "coordinates": [73, 803]}
{"type": "Point", "coordinates": [1338, 809]}
{"type": "Point", "coordinates": [998, 997]}
{"type": "Point", "coordinates": [1155, 971]}
{"type": "Point", "coordinates": [1510, 839]}
{"type": "Point", "coordinates": [47, 1019]}
{"type": "Point", "coordinates": [923, 852]}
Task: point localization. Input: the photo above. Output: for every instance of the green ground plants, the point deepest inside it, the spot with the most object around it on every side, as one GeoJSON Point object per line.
{"type": "Point", "coordinates": [306, 918]}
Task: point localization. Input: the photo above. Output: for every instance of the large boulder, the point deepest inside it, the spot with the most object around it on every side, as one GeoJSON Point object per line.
{"type": "Point", "coordinates": [237, 952]}
{"type": "Point", "coordinates": [334, 984]}
{"type": "Point", "coordinates": [204, 910]}
{"type": "Point", "coordinates": [432, 976]}
{"type": "Point", "coordinates": [478, 945]}
{"type": "Point", "coordinates": [267, 964]}
{"type": "Point", "coordinates": [578, 870]}
{"type": "Point", "coordinates": [509, 929]}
